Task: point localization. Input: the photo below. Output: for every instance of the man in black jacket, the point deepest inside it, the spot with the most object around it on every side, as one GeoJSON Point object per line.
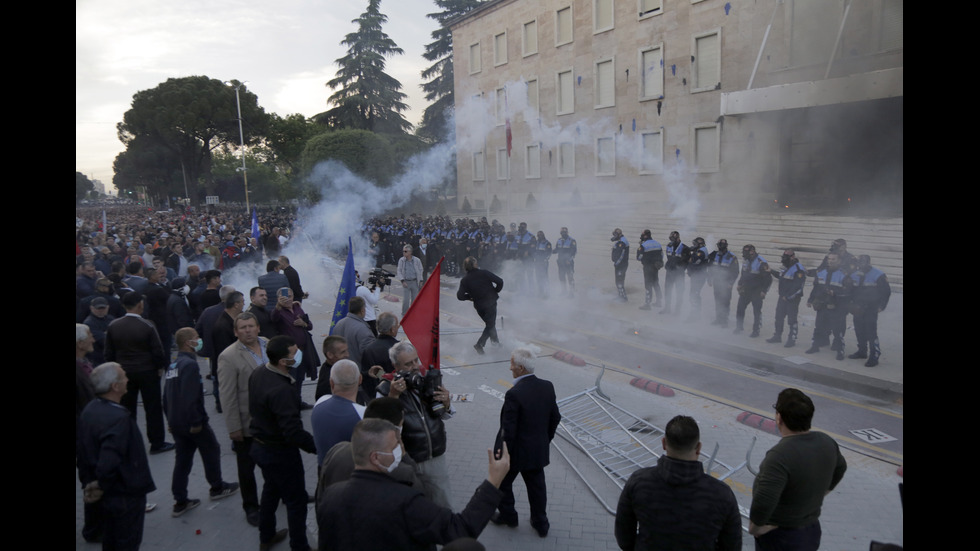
{"type": "Point", "coordinates": [406, 519]}
{"type": "Point", "coordinates": [278, 435]}
{"type": "Point", "coordinates": [676, 504]}
{"type": "Point", "coordinates": [112, 463]}
{"type": "Point", "coordinates": [133, 342]}
{"type": "Point", "coordinates": [482, 287]}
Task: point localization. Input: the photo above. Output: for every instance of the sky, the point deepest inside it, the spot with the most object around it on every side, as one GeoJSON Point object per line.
{"type": "Point", "coordinates": [286, 51]}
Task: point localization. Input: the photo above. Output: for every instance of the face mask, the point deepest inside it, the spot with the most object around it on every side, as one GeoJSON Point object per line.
{"type": "Point", "coordinates": [298, 359]}
{"type": "Point", "coordinates": [199, 345]}
{"type": "Point", "coordinates": [788, 261]}
{"type": "Point", "coordinates": [397, 452]}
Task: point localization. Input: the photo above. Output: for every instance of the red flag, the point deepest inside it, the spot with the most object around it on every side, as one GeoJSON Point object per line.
{"type": "Point", "coordinates": [510, 138]}
{"type": "Point", "coordinates": [421, 322]}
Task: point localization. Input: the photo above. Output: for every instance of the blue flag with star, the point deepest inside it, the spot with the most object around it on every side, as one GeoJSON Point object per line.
{"type": "Point", "coordinates": [347, 290]}
{"type": "Point", "coordinates": [255, 225]}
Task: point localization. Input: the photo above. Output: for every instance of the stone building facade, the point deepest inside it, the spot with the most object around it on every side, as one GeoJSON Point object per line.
{"type": "Point", "coordinates": [638, 101]}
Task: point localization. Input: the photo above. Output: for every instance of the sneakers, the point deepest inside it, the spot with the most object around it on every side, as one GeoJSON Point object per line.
{"type": "Point", "coordinates": [226, 489]}
{"type": "Point", "coordinates": [478, 348]}
{"type": "Point", "coordinates": [182, 507]}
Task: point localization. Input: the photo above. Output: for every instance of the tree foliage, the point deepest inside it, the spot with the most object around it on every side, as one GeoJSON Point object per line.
{"type": "Point", "coordinates": [367, 98]}
{"type": "Point", "coordinates": [171, 132]}
{"type": "Point", "coordinates": [265, 182]}
{"type": "Point", "coordinates": [439, 86]}
{"type": "Point", "coordinates": [82, 186]}
{"type": "Point", "coordinates": [364, 153]}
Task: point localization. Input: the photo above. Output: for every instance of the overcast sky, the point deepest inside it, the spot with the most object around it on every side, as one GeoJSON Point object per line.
{"type": "Point", "coordinates": [285, 50]}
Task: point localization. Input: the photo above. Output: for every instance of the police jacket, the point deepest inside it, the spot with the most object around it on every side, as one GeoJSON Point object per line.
{"type": "Point", "coordinates": [677, 256]}
{"type": "Point", "coordinates": [792, 281]}
{"type": "Point", "coordinates": [566, 248]}
{"type": "Point", "coordinates": [723, 267]}
{"type": "Point", "coordinates": [755, 275]}
{"type": "Point", "coordinates": [620, 251]}
{"type": "Point", "coordinates": [871, 289]}
{"type": "Point", "coordinates": [698, 260]}
{"type": "Point", "coordinates": [830, 290]}
{"type": "Point", "coordinates": [650, 253]}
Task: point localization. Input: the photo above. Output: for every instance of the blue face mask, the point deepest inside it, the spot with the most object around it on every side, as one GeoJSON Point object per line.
{"type": "Point", "coordinates": [297, 359]}
{"type": "Point", "coordinates": [199, 345]}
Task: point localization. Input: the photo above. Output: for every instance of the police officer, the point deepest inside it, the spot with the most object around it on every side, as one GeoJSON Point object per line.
{"type": "Point", "coordinates": [566, 248]}
{"type": "Point", "coordinates": [542, 256]}
{"type": "Point", "coordinates": [526, 245]}
{"type": "Point", "coordinates": [651, 254]}
{"type": "Point", "coordinates": [838, 247]}
{"type": "Point", "coordinates": [831, 289]}
{"type": "Point", "coordinates": [620, 260]}
{"type": "Point", "coordinates": [791, 283]}
{"type": "Point", "coordinates": [752, 287]}
{"type": "Point", "coordinates": [722, 273]}
{"type": "Point", "coordinates": [677, 255]}
{"type": "Point", "coordinates": [870, 296]}
{"type": "Point", "coordinates": [697, 265]}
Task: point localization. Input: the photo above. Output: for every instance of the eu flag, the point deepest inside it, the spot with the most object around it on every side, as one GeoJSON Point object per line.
{"type": "Point", "coordinates": [255, 225]}
{"type": "Point", "coordinates": [347, 290]}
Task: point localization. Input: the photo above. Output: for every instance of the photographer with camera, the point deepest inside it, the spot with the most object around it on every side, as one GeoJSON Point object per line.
{"type": "Point", "coordinates": [427, 404]}
{"type": "Point", "coordinates": [371, 296]}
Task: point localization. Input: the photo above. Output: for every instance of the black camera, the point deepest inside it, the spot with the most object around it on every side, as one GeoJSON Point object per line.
{"type": "Point", "coordinates": [426, 387]}
{"type": "Point", "coordinates": [380, 277]}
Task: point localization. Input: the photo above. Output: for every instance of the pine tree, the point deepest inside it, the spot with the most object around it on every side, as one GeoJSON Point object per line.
{"type": "Point", "coordinates": [439, 76]}
{"type": "Point", "coordinates": [367, 98]}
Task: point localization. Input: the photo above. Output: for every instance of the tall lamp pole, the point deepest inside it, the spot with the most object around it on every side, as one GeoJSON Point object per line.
{"type": "Point", "coordinates": [241, 137]}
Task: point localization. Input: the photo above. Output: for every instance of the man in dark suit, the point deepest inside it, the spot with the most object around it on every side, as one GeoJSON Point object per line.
{"type": "Point", "coordinates": [528, 422]}
{"type": "Point", "coordinates": [133, 342]}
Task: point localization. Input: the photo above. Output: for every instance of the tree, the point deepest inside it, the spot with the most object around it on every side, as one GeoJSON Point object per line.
{"type": "Point", "coordinates": [366, 97]}
{"type": "Point", "coordinates": [82, 186]}
{"type": "Point", "coordinates": [286, 139]}
{"type": "Point", "coordinates": [176, 126]}
{"type": "Point", "coordinates": [439, 87]}
{"type": "Point", "coordinates": [364, 153]}
{"type": "Point", "coordinates": [265, 182]}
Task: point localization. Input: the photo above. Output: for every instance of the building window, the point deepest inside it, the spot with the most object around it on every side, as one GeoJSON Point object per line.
{"type": "Point", "coordinates": [479, 173]}
{"type": "Point", "coordinates": [605, 156]}
{"type": "Point", "coordinates": [650, 8]}
{"type": "Point", "coordinates": [532, 161]}
{"type": "Point", "coordinates": [652, 73]}
{"type": "Point", "coordinates": [500, 49]}
{"type": "Point", "coordinates": [706, 147]}
{"type": "Point", "coordinates": [565, 101]}
{"type": "Point", "coordinates": [503, 164]}
{"type": "Point", "coordinates": [474, 58]}
{"type": "Point", "coordinates": [563, 26]}
{"type": "Point", "coordinates": [651, 153]}
{"type": "Point", "coordinates": [605, 84]}
{"type": "Point", "coordinates": [532, 95]}
{"type": "Point", "coordinates": [530, 38]}
{"type": "Point", "coordinates": [602, 12]}
{"type": "Point", "coordinates": [500, 107]}
{"type": "Point", "coordinates": [707, 61]}
{"type": "Point", "coordinates": [566, 159]}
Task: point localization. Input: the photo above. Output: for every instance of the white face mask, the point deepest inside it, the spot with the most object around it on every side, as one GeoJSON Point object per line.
{"type": "Point", "coordinates": [397, 452]}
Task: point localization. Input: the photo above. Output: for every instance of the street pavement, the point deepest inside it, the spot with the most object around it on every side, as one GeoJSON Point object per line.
{"type": "Point", "coordinates": [864, 507]}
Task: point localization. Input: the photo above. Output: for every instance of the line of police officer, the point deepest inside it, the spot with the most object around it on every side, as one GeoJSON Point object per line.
{"type": "Point", "coordinates": [842, 284]}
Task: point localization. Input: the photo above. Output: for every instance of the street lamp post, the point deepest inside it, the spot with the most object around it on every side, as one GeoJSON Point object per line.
{"type": "Point", "coordinates": [241, 137]}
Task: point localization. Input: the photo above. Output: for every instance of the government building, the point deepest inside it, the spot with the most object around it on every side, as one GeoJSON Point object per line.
{"type": "Point", "coordinates": [744, 104]}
